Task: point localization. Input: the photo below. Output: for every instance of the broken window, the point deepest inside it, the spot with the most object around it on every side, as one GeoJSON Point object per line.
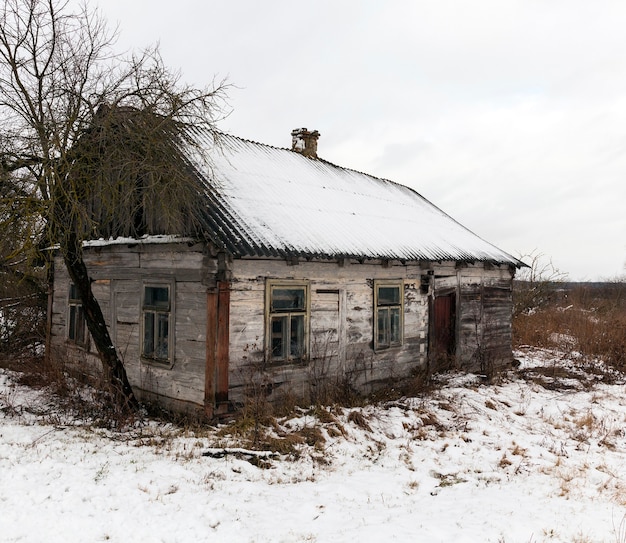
{"type": "Point", "coordinates": [156, 322]}
{"type": "Point", "coordinates": [287, 322]}
{"type": "Point", "coordinates": [76, 326]}
{"type": "Point", "coordinates": [388, 318]}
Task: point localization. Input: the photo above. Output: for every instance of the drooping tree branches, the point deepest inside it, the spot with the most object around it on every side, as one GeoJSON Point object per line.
{"type": "Point", "coordinates": [94, 144]}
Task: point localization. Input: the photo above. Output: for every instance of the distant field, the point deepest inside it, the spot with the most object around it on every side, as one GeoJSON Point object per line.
{"type": "Point", "coordinates": [584, 318]}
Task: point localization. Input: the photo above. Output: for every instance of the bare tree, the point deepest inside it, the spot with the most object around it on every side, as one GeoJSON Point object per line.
{"type": "Point", "coordinates": [535, 285]}
{"type": "Point", "coordinates": [77, 122]}
{"type": "Point", "coordinates": [22, 285]}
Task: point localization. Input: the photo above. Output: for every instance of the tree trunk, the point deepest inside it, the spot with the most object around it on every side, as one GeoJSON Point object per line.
{"type": "Point", "coordinates": [121, 391]}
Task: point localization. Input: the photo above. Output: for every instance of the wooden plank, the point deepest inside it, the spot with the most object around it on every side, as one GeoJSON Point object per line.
{"type": "Point", "coordinates": [183, 275]}
{"type": "Point", "coordinates": [223, 339]}
{"type": "Point", "coordinates": [211, 353]}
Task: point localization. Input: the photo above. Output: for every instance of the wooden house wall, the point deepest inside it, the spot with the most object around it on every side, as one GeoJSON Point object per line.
{"type": "Point", "coordinates": [341, 326]}
{"type": "Point", "coordinates": [119, 273]}
{"type": "Point", "coordinates": [484, 310]}
{"type": "Point", "coordinates": [341, 320]}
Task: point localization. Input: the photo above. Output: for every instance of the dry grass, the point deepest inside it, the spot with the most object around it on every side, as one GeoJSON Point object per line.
{"type": "Point", "coordinates": [71, 393]}
{"type": "Point", "coordinates": [357, 418]}
{"type": "Point", "coordinates": [586, 321]}
{"type": "Point", "coordinates": [504, 461]}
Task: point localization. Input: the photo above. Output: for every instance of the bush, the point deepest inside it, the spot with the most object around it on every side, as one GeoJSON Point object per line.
{"type": "Point", "coordinates": [587, 318]}
{"type": "Point", "coordinates": [22, 317]}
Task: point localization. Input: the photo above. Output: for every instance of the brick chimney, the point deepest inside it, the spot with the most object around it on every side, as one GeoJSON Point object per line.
{"type": "Point", "coordinates": [304, 142]}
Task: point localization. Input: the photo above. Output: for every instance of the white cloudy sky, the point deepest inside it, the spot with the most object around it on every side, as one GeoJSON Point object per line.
{"type": "Point", "coordinates": [509, 115]}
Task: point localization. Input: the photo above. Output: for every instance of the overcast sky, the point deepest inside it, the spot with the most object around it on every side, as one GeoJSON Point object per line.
{"type": "Point", "coordinates": [508, 115]}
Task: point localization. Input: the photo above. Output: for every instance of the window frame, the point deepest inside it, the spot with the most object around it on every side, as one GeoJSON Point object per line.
{"type": "Point", "coordinates": [287, 315]}
{"type": "Point", "coordinates": [76, 318]}
{"type": "Point", "coordinates": [380, 307]}
{"type": "Point", "coordinates": [156, 311]}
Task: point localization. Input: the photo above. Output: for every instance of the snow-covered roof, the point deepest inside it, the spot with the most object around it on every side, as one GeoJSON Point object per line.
{"type": "Point", "coordinates": [266, 201]}
{"type": "Point", "coordinates": [160, 239]}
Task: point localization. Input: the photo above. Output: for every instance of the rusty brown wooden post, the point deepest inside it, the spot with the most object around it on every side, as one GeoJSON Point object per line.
{"type": "Point", "coordinates": [222, 352]}
{"type": "Point", "coordinates": [211, 351]}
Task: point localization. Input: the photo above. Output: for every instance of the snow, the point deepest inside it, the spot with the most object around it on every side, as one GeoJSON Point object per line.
{"type": "Point", "coordinates": [144, 240]}
{"type": "Point", "coordinates": [514, 461]}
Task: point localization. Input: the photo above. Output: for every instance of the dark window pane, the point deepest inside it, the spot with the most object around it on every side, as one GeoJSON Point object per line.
{"type": "Point", "coordinates": [388, 295]}
{"type": "Point", "coordinates": [157, 298]}
{"type": "Point", "coordinates": [74, 292]}
{"type": "Point", "coordinates": [296, 344]}
{"type": "Point", "coordinates": [162, 335]}
{"type": "Point", "coordinates": [148, 334]}
{"type": "Point", "coordinates": [77, 327]}
{"type": "Point", "coordinates": [383, 327]}
{"type": "Point", "coordinates": [279, 331]}
{"type": "Point", "coordinates": [80, 324]}
{"type": "Point", "coordinates": [288, 299]}
{"type": "Point", "coordinates": [72, 327]}
{"type": "Point", "coordinates": [394, 325]}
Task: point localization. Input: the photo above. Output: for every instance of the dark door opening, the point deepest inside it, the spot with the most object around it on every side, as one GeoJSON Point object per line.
{"type": "Point", "coordinates": [443, 332]}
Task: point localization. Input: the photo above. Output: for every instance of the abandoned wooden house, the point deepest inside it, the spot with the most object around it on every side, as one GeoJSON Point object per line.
{"type": "Point", "coordinates": [307, 274]}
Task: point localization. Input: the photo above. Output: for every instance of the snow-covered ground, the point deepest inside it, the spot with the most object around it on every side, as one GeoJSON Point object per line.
{"type": "Point", "coordinates": [515, 461]}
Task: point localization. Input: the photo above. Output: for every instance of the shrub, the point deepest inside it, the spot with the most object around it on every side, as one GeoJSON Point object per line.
{"type": "Point", "coordinates": [589, 319]}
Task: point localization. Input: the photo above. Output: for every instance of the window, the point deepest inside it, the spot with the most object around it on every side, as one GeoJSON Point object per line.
{"type": "Point", "coordinates": [388, 318]}
{"type": "Point", "coordinates": [76, 326]}
{"type": "Point", "coordinates": [156, 322]}
{"type": "Point", "coordinates": [287, 322]}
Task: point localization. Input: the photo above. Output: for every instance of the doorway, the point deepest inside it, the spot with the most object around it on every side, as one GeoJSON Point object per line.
{"type": "Point", "coordinates": [443, 332]}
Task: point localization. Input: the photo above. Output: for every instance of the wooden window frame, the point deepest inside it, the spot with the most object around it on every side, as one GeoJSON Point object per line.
{"type": "Point", "coordinates": [76, 323]}
{"type": "Point", "coordinates": [156, 311]}
{"type": "Point", "coordinates": [383, 311]}
{"type": "Point", "coordinates": [287, 315]}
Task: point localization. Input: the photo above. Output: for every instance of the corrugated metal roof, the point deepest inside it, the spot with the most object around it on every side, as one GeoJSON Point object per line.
{"type": "Point", "coordinates": [268, 201]}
